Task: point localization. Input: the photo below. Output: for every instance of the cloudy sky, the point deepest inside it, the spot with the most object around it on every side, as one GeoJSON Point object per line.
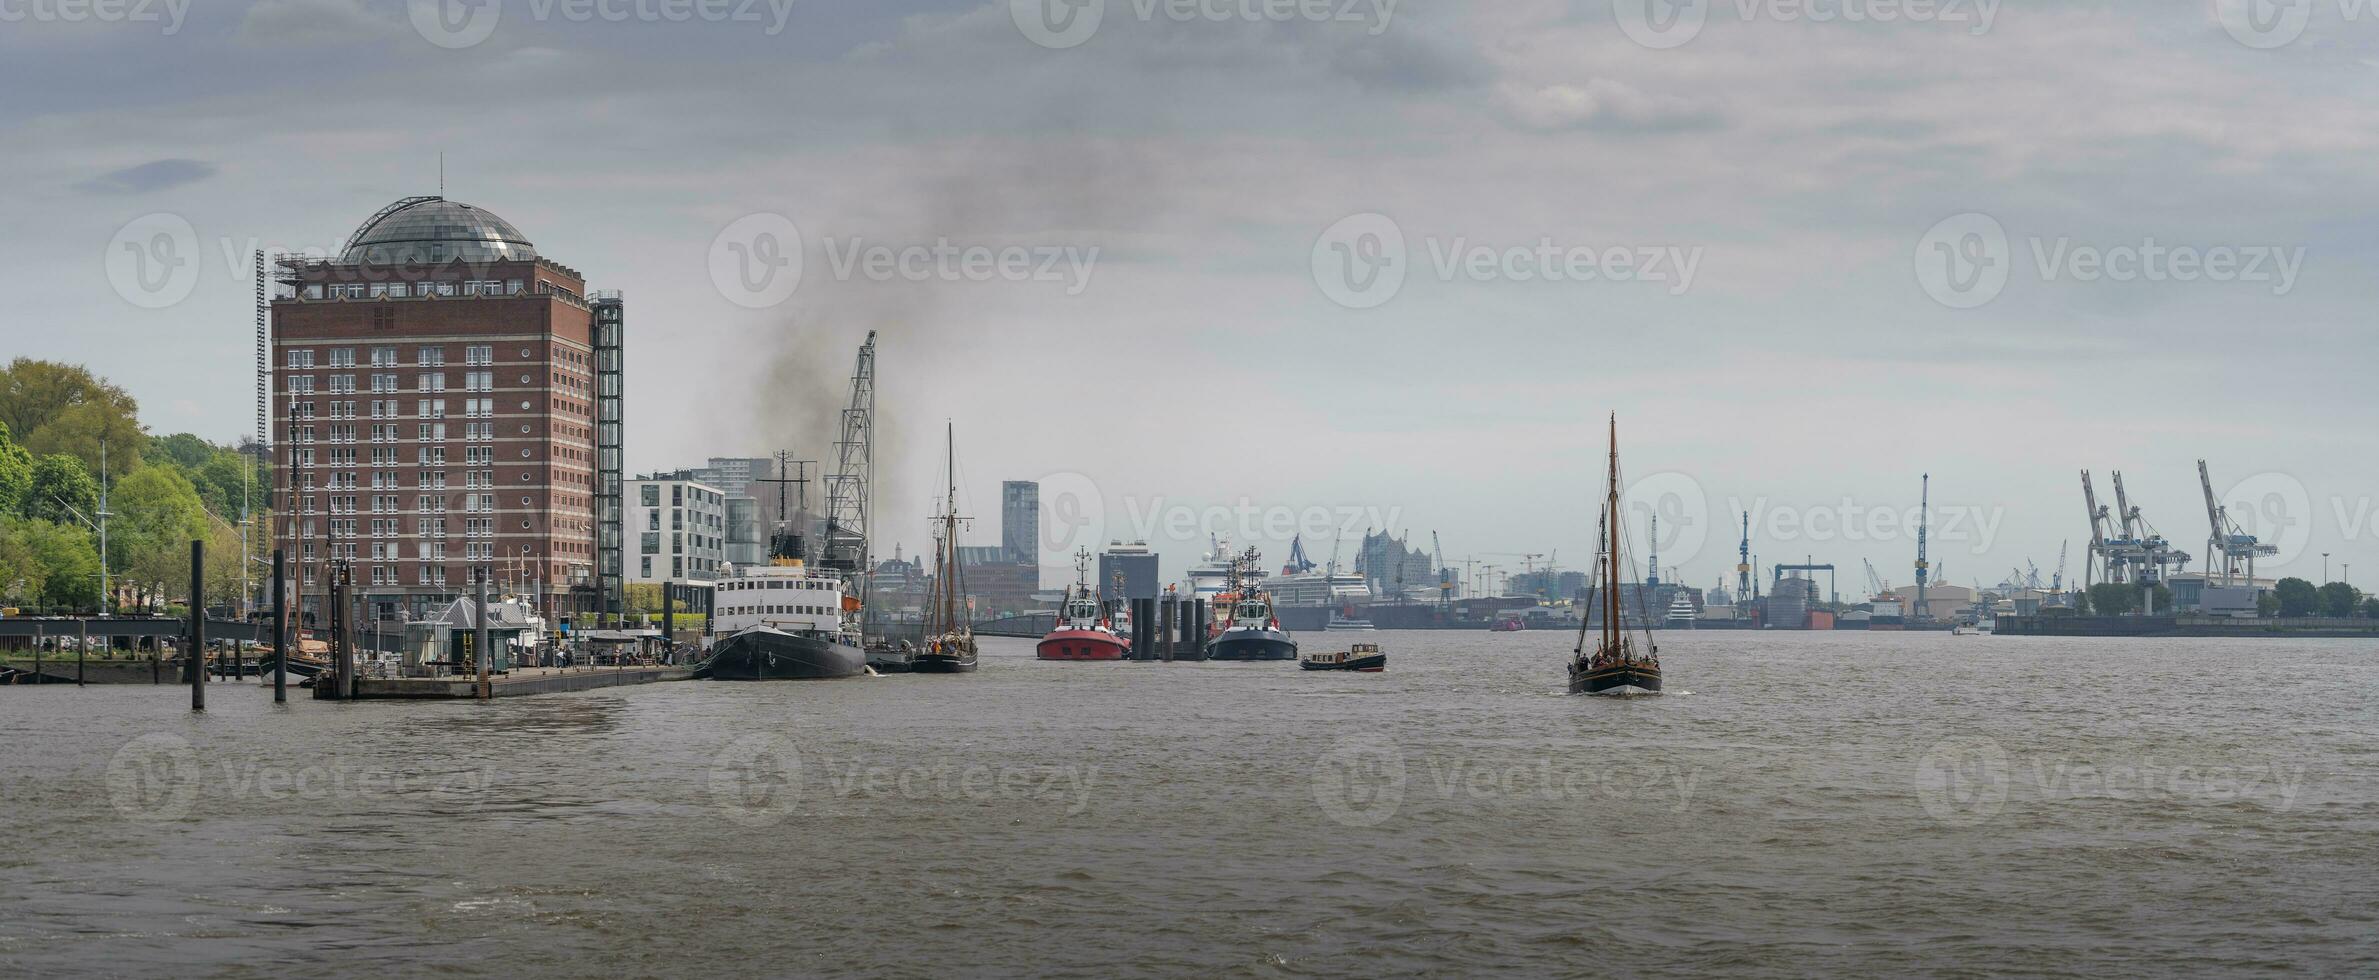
{"type": "Point", "coordinates": [1318, 263]}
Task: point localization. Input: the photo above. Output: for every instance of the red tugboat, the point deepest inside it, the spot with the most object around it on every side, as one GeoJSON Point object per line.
{"type": "Point", "coordinates": [1083, 631]}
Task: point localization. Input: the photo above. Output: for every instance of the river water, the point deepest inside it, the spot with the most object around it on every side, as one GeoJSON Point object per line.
{"type": "Point", "coordinates": [1797, 804]}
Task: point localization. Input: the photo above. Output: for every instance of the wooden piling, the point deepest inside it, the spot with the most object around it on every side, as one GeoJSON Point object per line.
{"type": "Point", "coordinates": [198, 626]}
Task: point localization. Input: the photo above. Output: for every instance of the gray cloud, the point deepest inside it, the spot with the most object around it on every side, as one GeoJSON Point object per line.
{"type": "Point", "coordinates": [156, 175]}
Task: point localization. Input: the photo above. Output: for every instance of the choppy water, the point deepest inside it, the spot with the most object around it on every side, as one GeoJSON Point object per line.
{"type": "Point", "coordinates": [1798, 804]}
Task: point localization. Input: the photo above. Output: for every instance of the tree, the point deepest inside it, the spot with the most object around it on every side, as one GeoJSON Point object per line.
{"type": "Point", "coordinates": [2113, 599]}
{"type": "Point", "coordinates": [48, 564]}
{"type": "Point", "coordinates": [2297, 597]}
{"type": "Point", "coordinates": [158, 514]}
{"type": "Point", "coordinates": [62, 408]}
{"type": "Point", "coordinates": [2267, 605]}
{"type": "Point", "coordinates": [2370, 607]}
{"type": "Point", "coordinates": [59, 488]}
{"type": "Point", "coordinates": [16, 473]}
{"type": "Point", "coordinates": [2339, 599]}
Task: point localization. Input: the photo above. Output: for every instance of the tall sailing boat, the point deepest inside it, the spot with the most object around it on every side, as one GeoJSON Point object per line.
{"type": "Point", "coordinates": [949, 632]}
{"type": "Point", "coordinates": [1618, 664]}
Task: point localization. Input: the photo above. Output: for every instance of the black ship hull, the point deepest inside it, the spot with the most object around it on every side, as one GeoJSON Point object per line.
{"type": "Point", "coordinates": [1251, 644]}
{"type": "Point", "coordinates": [937, 663]}
{"type": "Point", "coordinates": [1615, 679]}
{"type": "Point", "coordinates": [764, 654]}
{"type": "Point", "coordinates": [1371, 664]}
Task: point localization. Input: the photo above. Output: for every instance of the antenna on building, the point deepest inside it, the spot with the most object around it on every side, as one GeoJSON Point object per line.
{"type": "Point", "coordinates": [441, 173]}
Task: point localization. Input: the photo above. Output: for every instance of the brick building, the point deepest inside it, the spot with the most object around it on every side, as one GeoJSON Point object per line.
{"type": "Point", "coordinates": [447, 404]}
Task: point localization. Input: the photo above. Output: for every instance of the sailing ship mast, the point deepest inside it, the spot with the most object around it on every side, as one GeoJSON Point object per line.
{"type": "Point", "coordinates": [1611, 631]}
{"type": "Point", "coordinates": [946, 585]}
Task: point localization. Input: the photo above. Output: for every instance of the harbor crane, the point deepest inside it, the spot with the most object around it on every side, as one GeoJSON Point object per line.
{"type": "Point", "coordinates": [2100, 565]}
{"type": "Point", "coordinates": [1924, 503]}
{"type": "Point", "coordinates": [2228, 543]}
{"type": "Point", "coordinates": [2057, 582]}
{"type": "Point", "coordinates": [1445, 576]}
{"type": "Point", "coordinates": [1874, 581]}
{"type": "Point", "coordinates": [1743, 575]}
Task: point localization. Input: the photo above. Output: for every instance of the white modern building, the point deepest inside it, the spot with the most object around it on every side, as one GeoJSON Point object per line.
{"type": "Point", "coordinates": [675, 529]}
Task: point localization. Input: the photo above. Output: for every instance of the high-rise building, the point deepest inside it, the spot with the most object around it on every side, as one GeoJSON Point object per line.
{"type": "Point", "coordinates": [678, 528]}
{"type": "Point", "coordinates": [733, 475]}
{"type": "Point", "coordinates": [1020, 521]}
{"type": "Point", "coordinates": [448, 405]}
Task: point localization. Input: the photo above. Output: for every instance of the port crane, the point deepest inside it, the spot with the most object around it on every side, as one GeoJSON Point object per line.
{"type": "Point", "coordinates": [1875, 582]}
{"type": "Point", "coordinates": [1924, 504]}
{"type": "Point", "coordinates": [1445, 576]}
{"type": "Point", "coordinates": [1743, 562]}
{"type": "Point", "coordinates": [847, 488]}
{"type": "Point", "coordinates": [2228, 543]}
{"type": "Point", "coordinates": [2100, 565]}
{"type": "Point", "coordinates": [2057, 582]}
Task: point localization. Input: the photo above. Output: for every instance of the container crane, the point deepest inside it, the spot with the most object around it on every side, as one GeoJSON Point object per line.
{"type": "Point", "coordinates": [2229, 543]}
{"type": "Point", "coordinates": [1874, 581]}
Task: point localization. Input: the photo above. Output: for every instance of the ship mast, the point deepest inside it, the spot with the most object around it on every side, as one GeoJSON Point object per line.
{"type": "Point", "coordinates": [1611, 547]}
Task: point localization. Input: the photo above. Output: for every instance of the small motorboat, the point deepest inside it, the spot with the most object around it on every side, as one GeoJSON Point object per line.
{"type": "Point", "coordinates": [1365, 657]}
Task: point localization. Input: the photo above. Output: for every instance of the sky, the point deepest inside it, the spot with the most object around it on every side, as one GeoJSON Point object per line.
{"type": "Point", "coordinates": [1269, 268]}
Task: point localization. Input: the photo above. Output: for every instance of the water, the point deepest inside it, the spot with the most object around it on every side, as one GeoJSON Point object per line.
{"type": "Point", "coordinates": [1797, 804]}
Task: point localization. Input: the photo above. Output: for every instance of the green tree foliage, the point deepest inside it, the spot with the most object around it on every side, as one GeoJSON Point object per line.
{"type": "Point", "coordinates": [2113, 599]}
{"type": "Point", "coordinates": [60, 488]}
{"type": "Point", "coordinates": [2297, 597]}
{"type": "Point", "coordinates": [63, 408]}
{"type": "Point", "coordinates": [16, 473]}
{"type": "Point", "coordinates": [2370, 607]}
{"type": "Point", "coordinates": [48, 565]}
{"type": "Point", "coordinates": [2339, 599]}
{"type": "Point", "coordinates": [219, 472]}
{"type": "Point", "coordinates": [158, 514]}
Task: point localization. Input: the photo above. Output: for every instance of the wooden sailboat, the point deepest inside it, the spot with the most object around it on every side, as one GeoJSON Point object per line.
{"type": "Point", "coordinates": [949, 629]}
{"type": "Point", "coordinates": [1618, 664]}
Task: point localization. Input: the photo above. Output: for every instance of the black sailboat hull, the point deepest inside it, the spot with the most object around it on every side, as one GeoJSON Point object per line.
{"type": "Point", "coordinates": [769, 655]}
{"type": "Point", "coordinates": [936, 663]}
{"type": "Point", "coordinates": [1251, 644]}
{"type": "Point", "coordinates": [1616, 679]}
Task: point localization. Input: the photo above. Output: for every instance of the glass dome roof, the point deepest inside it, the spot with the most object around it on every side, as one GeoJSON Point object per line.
{"type": "Point", "coordinates": [430, 230]}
